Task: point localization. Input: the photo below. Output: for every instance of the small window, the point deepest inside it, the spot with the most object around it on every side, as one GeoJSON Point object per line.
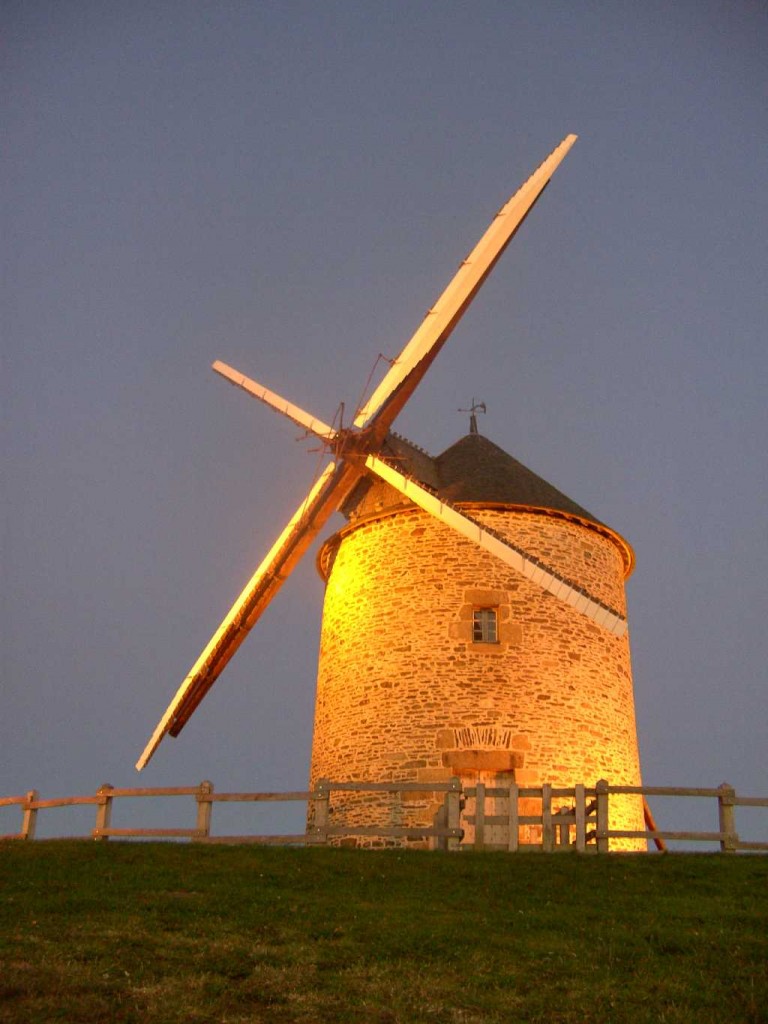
{"type": "Point", "coordinates": [484, 626]}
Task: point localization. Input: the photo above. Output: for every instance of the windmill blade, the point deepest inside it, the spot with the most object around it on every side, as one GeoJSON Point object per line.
{"type": "Point", "coordinates": [524, 563]}
{"type": "Point", "coordinates": [413, 362]}
{"type": "Point", "coordinates": [304, 419]}
{"type": "Point", "coordinates": [329, 492]}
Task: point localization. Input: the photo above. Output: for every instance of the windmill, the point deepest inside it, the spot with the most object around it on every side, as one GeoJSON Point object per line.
{"type": "Point", "coordinates": [368, 455]}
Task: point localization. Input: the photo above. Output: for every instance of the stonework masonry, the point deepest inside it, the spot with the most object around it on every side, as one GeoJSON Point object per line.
{"type": "Point", "coordinates": [403, 692]}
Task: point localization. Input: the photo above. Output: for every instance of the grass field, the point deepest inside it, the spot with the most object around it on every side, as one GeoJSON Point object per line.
{"type": "Point", "coordinates": [164, 932]}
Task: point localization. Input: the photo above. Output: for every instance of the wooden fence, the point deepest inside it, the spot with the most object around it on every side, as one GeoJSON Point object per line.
{"type": "Point", "coordinates": [581, 825]}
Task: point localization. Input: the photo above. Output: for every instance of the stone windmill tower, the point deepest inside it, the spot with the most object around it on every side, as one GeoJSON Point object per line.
{"type": "Point", "coordinates": [437, 661]}
{"type": "Point", "coordinates": [474, 619]}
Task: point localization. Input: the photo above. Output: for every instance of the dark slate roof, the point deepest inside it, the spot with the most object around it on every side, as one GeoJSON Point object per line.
{"type": "Point", "coordinates": [473, 469]}
{"type": "Point", "coordinates": [477, 470]}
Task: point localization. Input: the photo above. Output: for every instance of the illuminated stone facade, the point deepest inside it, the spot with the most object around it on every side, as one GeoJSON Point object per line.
{"type": "Point", "coordinates": [404, 693]}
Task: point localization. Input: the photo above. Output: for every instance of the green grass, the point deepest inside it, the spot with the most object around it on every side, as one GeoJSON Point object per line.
{"type": "Point", "coordinates": [164, 932]}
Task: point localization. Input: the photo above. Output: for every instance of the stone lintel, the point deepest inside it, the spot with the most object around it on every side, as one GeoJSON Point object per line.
{"type": "Point", "coordinates": [482, 760]}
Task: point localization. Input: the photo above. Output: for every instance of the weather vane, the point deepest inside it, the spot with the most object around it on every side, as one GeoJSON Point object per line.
{"type": "Point", "coordinates": [474, 409]}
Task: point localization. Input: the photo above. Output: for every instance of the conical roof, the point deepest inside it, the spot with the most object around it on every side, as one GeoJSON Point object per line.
{"type": "Point", "coordinates": [475, 469]}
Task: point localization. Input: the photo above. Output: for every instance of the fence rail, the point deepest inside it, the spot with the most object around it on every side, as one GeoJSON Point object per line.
{"type": "Point", "coordinates": [465, 818]}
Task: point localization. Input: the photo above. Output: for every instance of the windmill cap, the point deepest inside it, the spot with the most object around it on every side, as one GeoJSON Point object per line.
{"type": "Point", "coordinates": [474, 471]}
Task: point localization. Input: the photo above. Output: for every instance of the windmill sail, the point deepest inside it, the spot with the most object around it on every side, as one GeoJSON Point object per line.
{"type": "Point", "coordinates": [413, 362]}
{"type": "Point", "coordinates": [303, 419]}
{"type": "Point", "coordinates": [331, 488]}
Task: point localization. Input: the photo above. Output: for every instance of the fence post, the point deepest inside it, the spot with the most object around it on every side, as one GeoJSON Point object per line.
{"type": "Point", "coordinates": [204, 808]}
{"type": "Point", "coordinates": [103, 811]}
{"type": "Point", "coordinates": [453, 813]}
{"type": "Point", "coordinates": [581, 831]}
{"type": "Point", "coordinates": [547, 831]}
{"type": "Point", "coordinates": [513, 839]}
{"type": "Point", "coordinates": [562, 829]}
{"type": "Point", "coordinates": [479, 815]}
{"type": "Point", "coordinates": [321, 801]}
{"type": "Point", "coordinates": [29, 817]}
{"type": "Point", "coordinates": [601, 794]}
{"type": "Point", "coordinates": [725, 803]}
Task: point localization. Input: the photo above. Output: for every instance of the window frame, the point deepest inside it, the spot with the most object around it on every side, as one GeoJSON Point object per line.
{"type": "Point", "coordinates": [485, 625]}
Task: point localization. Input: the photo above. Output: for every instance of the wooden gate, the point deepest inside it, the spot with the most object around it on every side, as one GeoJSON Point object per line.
{"type": "Point", "coordinates": [543, 818]}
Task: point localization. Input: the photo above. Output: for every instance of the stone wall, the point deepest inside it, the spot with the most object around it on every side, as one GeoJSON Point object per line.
{"type": "Point", "coordinates": [404, 693]}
